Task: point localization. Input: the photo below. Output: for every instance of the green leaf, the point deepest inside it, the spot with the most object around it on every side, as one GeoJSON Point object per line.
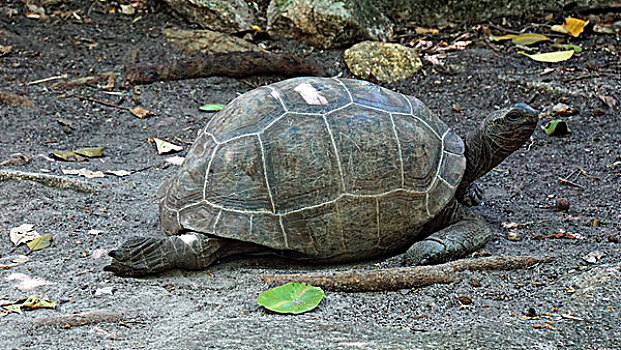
{"type": "Point", "coordinates": [291, 298]}
{"type": "Point", "coordinates": [522, 39]}
{"type": "Point", "coordinates": [556, 127]}
{"type": "Point", "coordinates": [576, 48]}
{"type": "Point", "coordinates": [211, 107]}
{"type": "Point", "coordinates": [90, 152]}
{"type": "Point", "coordinates": [40, 242]}
{"type": "Point", "coordinates": [550, 57]}
{"type": "Point", "coordinates": [36, 302]}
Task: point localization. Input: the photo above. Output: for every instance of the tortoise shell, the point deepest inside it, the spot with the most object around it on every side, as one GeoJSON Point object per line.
{"type": "Point", "coordinates": [333, 169]}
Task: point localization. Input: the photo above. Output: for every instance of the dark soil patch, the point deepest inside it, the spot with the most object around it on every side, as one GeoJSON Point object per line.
{"type": "Point", "coordinates": [216, 308]}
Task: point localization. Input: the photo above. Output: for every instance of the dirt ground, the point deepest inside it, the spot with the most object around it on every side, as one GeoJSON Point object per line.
{"type": "Point", "coordinates": [216, 308]}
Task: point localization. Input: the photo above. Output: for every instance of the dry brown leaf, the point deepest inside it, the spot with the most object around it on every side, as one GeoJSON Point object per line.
{"type": "Point", "coordinates": [164, 147]}
{"type": "Point", "coordinates": [5, 49]}
{"type": "Point", "coordinates": [11, 99]}
{"type": "Point", "coordinates": [572, 26]}
{"type": "Point", "coordinates": [22, 234]}
{"type": "Point", "coordinates": [119, 173]}
{"type": "Point", "coordinates": [423, 30]}
{"type": "Point", "coordinates": [608, 100]}
{"type": "Point", "coordinates": [83, 172]}
{"type": "Point", "coordinates": [141, 112]}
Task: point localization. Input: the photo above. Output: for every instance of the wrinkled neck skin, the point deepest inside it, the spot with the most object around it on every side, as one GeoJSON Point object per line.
{"type": "Point", "coordinates": [482, 155]}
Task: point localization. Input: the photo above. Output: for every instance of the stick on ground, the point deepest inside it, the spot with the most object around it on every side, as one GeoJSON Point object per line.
{"type": "Point", "coordinates": [234, 65]}
{"type": "Point", "coordinates": [405, 277]}
{"type": "Point", "coordinates": [47, 180]}
{"type": "Point", "coordinates": [81, 319]}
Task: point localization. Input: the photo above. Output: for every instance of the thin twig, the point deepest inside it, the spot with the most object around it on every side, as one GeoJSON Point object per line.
{"type": "Point", "coordinates": [47, 180]}
{"type": "Point", "coordinates": [105, 103]}
{"type": "Point", "coordinates": [563, 181]}
{"type": "Point", "coordinates": [81, 319]}
{"type": "Point", "coordinates": [405, 277]}
{"type": "Point", "coordinates": [64, 76]}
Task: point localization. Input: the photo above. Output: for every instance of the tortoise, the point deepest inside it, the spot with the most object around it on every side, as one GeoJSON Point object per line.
{"type": "Point", "coordinates": [326, 170]}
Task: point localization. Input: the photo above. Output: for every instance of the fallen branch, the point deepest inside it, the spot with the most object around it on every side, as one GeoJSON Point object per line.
{"type": "Point", "coordinates": [47, 180]}
{"type": "Point", "coordinates": [81, 319]}
{"type": "Point", "coordinates": [102, 102]}
{"type": "Point", "coordinates": [84, 81]}
{"type": "Point", "coordinates": [405, 277]}
{"type": "Point", "coordinates": [235, 65]}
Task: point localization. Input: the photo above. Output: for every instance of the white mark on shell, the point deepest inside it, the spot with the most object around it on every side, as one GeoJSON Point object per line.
{"type": "Point", "coordinates": [275, 94]}
{"type": "Point", "coordinates": [188, 239]}
{"type": "Point", "coordinates": [310, 94]}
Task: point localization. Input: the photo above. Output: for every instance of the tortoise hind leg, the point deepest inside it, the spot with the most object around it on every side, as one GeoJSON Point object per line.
{"type": "Point", "coordinates": [465, 233]}
{"type": "Point", "coordinates": [140, 256]}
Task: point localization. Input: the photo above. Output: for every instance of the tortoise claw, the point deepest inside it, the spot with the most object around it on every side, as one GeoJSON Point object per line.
{"type": "Point", "coordinates": [138, 256]}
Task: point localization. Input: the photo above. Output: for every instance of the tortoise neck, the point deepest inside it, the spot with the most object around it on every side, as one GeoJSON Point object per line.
{"type": "Point", "coordinates": [482, 155]}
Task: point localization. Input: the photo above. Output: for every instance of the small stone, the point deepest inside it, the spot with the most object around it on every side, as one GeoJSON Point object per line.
{"type": "Point", "coordinates": [594, 222]}
{"type": "Point", "coordinates": [513, 236]}
{"type": "Point", "coordinates": [561, 204]}
{"type": "Point", "coordinates": [613, 239]}
{"type": "Point", "coordinates": [464, 300]}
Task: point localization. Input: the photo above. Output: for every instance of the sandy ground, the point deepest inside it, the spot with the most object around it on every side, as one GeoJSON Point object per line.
{"type": "Point", "coordinates": [216, 308]}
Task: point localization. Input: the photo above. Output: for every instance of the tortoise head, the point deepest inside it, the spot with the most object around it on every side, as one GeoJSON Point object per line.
{"type": "Point", "coordinates": [499, 135]}
{"type": "Point", "coordinates": [509, 129]}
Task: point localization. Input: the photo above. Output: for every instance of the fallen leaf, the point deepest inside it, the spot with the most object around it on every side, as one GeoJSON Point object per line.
{"type": "Point", "coordinates": [572, 26]}
{"type": "Point", "coordinates": [510, 225]}
{"type": "Point", "coordinates": [68, 156]}
{"type": "Point", "coordinates": [423, 30]}
{"type": "Point", "coordinates": [40, 242]}
{"type": "Point", "coordinates": [141, 112]}
{"type": "Point", "coordinates": [164, 147]}
{"type": "Point", "coordinates": [14, 261]}
{"type": "Point", "coordinates": [550, 57]}
{"type": "Point", "coordinates": [176, 160]}
{"type": "Point", "coordinates": [565, 235]}
{"type": "Point", "coordinates": [576, 48]}
{"type": "Point", "coordinates": [83, 172]}
{"type": "Point", "coordinates": [435, 59]}
{"type": "Point", "coordinates": [608, 100]}
{"type": "Point", "coordinates": [119, 173]}
{"type": "Point", "coordinates": [32, 302]}
{"type": "Point", "coordinates": [522, 39]}
{"type": "Point", "coordinates": [593, 256]}
{"type": "Point", "coordinates": [564, 110]}
{"type": "Point", "coordinates": [104, 291]}
{"type": "Point", "coordinates": [556, 127]}
{"type": "Point", "coordinates": [603, 29]}
{"type": "Point", "coordinates": [513, 236]}
{"type": "Point", "coordinates": [214, 107]}
{"type": "Point", "coordinates": [127, 10]}
{"type": "Point", "coordinates": [90, 152]}
{"type": "Point", "coordinates": [458, 46]}
{"type": "Point", "coordinates": [5, 50]}
{"type": "Point", "coordinates": [22, 234]}
{"type": "Point", "coordinates": [11, 99]}
{"type": "Point", "coordinates": [538, 326]}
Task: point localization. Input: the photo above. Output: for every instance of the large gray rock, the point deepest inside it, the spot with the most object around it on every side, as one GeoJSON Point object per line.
{"type": "Point", "coordinates": [327, 23]}
{"type": "Point", "coordinates": [226, 16]}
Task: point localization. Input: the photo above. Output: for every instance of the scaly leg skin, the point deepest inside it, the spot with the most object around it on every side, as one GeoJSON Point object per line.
{"type": "Point", "coordinates": [473, 197]}
{"type": "Point", "coordinates": [141, 256]}
{"type": "Point", "coordinates": [466, 233]}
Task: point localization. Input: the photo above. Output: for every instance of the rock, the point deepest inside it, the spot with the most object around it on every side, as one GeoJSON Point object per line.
{"type": "Point", "coordinates": [226, 16]}
{"type": "Point", "coordinates": [327, 23]}
{"type": "Point", "coordinates": [206, 41]}
{"type": "Point", "coordinates": [561, 204]}
{"type": "Point", "coordinates": [385, 62]}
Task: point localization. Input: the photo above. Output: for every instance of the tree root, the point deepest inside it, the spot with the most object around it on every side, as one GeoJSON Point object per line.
{"type": "Point", "coordinates": [80, 319]}
{"type": "Point", "coordinates": [47, 180]}
{"type": "Point", "coordinates": [405, 277]}
{"type": "Point", "coordinates": [235, 65]}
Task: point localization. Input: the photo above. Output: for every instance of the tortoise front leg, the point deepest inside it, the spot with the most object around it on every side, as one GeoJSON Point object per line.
{"type": "Point", "coordinates": [467, 232]}
{"type": "Point", "coordinates": [141, 256]}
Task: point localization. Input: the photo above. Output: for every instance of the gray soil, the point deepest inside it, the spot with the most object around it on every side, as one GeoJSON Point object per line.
{"type": "Point", "coordinates": [216, 308]}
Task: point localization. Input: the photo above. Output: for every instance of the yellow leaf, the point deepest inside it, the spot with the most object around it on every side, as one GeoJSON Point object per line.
{"type": "Point", "coordinates": [572, 26]}
{"type": "Point", "coordinates": [141, 112]}
{"type": "Point", "coordinates": [557, 56]}
{"type": "Point", "coordinates": [90, 152]}
{"type": "Point", "coordinates": [40, 242]}
{"type": "Point", "coordinates": [423, 30]}
{"type": "Point", "coordinates": [522, 39]}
